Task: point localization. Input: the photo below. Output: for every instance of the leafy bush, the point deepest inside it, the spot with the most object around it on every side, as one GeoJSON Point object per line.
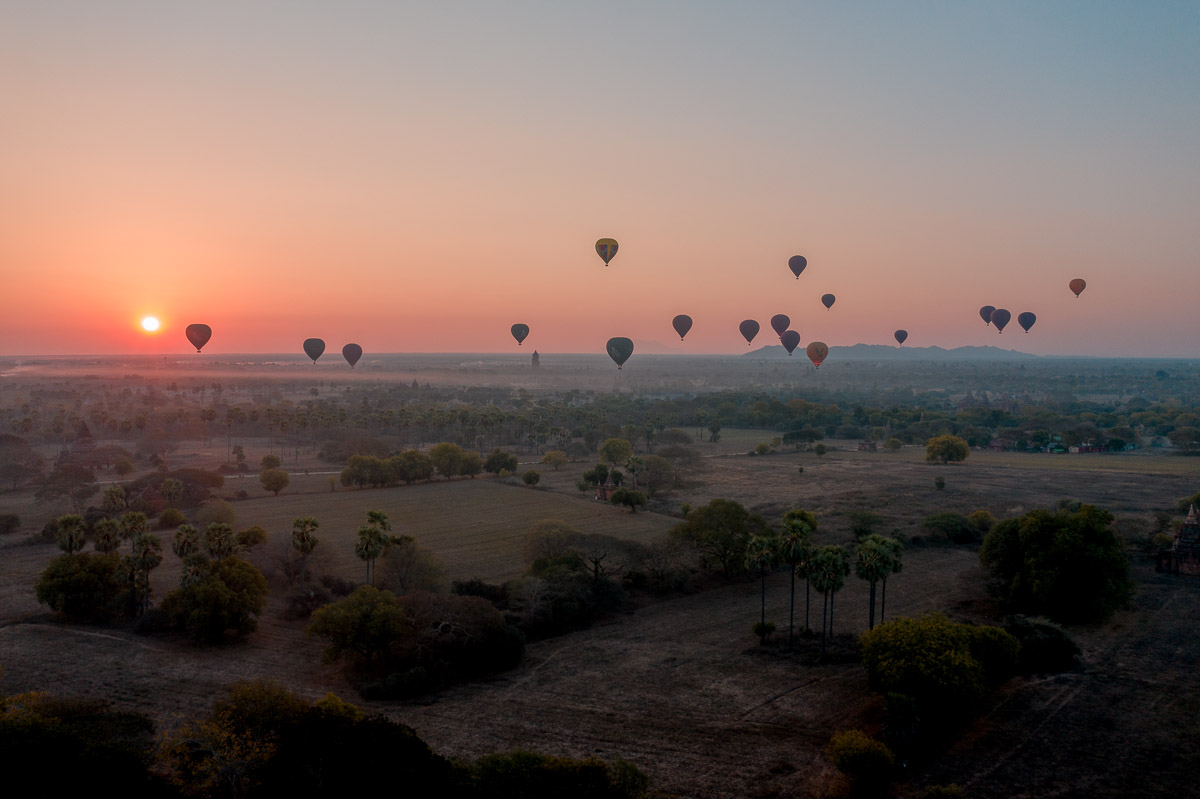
{"type": "Point", "coordinates": [1046, 648]}
{"type": "Point", "coordinates": [170, 519]}
{"type": "Point", "coordinates": [860, 757]}
{"type": "Point", "coordinates": [534, 776]}
{"type": "Point", "coordinates": [84, 587]}
{"type": "Point", "coordinates": [229, 598]}
{"type": "Point", "coordinates": [982, 520]}
{"type": "Point", "coordinates": [9, 523]}
{"type": "Point", "coordinates": [950, 527]}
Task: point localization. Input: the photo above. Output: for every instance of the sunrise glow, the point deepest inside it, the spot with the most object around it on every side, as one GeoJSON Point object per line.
{"type": "Point", "coordinates": [150, 324]}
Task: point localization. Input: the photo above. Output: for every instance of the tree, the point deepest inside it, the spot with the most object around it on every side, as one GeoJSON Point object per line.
{"type": "Point", "coordinates": [893, 444]}
{"type": "Point", "coordinates": [629, 498]}
{"type": "Point", "coordinates": [112, 501]}
{"type": "Point", "coordinates": [218, 541]}
{"type": "Point", "coordinates": [408, 567]}
{"type": "Point", "coordinates": [873, 563]}
{"type": "Point", "coordinates": [230, 596]}
{"type": "Point", "coordinates": [446, 458]}
{"type": "Point", "coordinates": [531, 478]}
{"type": "Point", "coordinates": [828, 571]}
{"type": "Point", "coordinates": [270, 462]}
{"type": "Point", "coordinates": [411, 465]}
{"type": "Point", "coordinates": [795, 548]}
{"type": "Point", "coordinates": [363, 626]}
{"type": "Point", "coordinates": [820, 449]}
{"type": "Point", "coordinates": [72, 533]}
{"type": "Point", "coordinates": [145, 556]}
{"type": "Point", "coordinates": [70, 482]}
{"type": "Point", "coordinates": [720, 531]}
{"type": "Point", "coordinates": [81, 587]}
{"type": "Point", "coordinates": [171, 490]}
{"type": "Point", "coordinates": [304, 541]}
{"type": "Point", "coordinates": [616, 450]}
{"type": "Point", "coordinates": [1070, 566]}
{"type": "Point", "coordinates": [374, 539]}
{"type": "Point", "coordinates": [714, 429]}
{"type": "Point", "coordinates": [946, 449]}
{"type": "Point", "coordinates": [500, 461]}
{"type": "Point", "coordinates": [470, 465]}
{"type": "Point", "coordinates": [762, 556]}
{"type": "Point", "coordinates": [274, 480]}
{"type": "Point", "coordinates": [897, 564]}
{"type": "Point", "coordinates": [554, 459]}
{"type": "Point", "coordinates": [864, 760]}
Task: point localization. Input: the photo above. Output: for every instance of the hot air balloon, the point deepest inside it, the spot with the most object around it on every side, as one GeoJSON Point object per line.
{"type": "Point", "coordinates": [606, 248]}
{"type": "Point", "coordinates": [519, 332]}
{"type": "Point", "coordinates": [780, 323]}
{"type": "Point", "coordinates": [817, 352]}
{"type": "Point", "coordinates": [790, 339]}
{"type": "Point", "coordinates": [749, 330]}
{"type": "Point", "coordinates": [986, 313]}
{"type": "Point", "coordinates": [797, 263]}
{"type": "Point", "coordinates": [682, 324]}
{"type": "Point", "coordinates": [1078, 285]}
{"type": "Point", "coordinates": [1026, 320]}
{"type": "Point", "coordinates": [313, 347]}
{"type": "Point", "coordinates": [901, 336]}
{"type": "Point", "coordinates": [828, 300]}
{"type": "Point", "coordinates": [351, 352]}
{"type": "Point", "coordinates": [198, 335]}
{"type": "Point", "coordinates": [1000, 318]}
{"type": "Point", "coordinates": [619, 349]}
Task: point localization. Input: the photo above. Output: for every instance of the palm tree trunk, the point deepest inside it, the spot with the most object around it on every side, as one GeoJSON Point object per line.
{"type": "Point", "coordinates": [807, 603]}
{"type": "Point", "coordinates": [871, 624]}
{"type": "Point", "coordinates": [824, 618]}
{"type": "Point", "coordinates": [792, 608]}
{"type": "Point", "coordinates": [883, 600]}
{"type": "Point", "coordinates": [832, 594]}
{"type": "Point", "coordinates": [762, 580]}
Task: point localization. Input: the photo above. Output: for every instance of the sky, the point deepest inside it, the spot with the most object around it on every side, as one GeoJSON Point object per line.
{"type": "Point", "coordinates": [417, 177]}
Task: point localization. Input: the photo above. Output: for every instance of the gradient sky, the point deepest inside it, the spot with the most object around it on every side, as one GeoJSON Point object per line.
{"type": "Point", "coordinates": [417, 177]}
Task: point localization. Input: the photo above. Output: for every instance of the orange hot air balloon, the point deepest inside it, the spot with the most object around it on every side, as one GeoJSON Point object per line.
{"type": "Point", "coordinates": [198, 335]}
{"type": "Point", "coordinates": [797, 263]}
{"type": "Point", "coordinates": [817, 351]}
{"type": "Point", "coordinates": [606, 249]}
{"type": "Point", "coordinates": [682, 324]}
{"type": "Point", "coordinates": [749, 329]}
{"type": "Point", "coordinates": [1078, 285]}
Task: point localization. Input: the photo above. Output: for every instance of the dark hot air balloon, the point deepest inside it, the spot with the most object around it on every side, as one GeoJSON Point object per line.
{"type": "Point", "coordinates": [797, 263]}
{"type": "Point", "coordinates": [749, 330]}
{"type": "Point", "coordinates": [351, 352]}
{"type": "Point", "coordinates": [817, 352]}
{"type": "Point", "coordinates": [1026, 320]}
{"type": "Point", "coordinates": [313, 347]}
{"type": "Point", "coordinates": [780, 323]}
{"type": "Point", "coordinates": [790, 339]}
{"type": "Point", "coordinates": [985, 313]}
{"type": "Point", "coordinates": [619, 349]}
{"type": "Point", "coordinates": [901, 336]}
{"type": "Point", "coordinates": [519, 332]}
{"type": "Point", "coordinates": [1078, 285]}
{"type": "Point", "coordinates": [606, 249]}
{"type": "Point", "coordinates": [1000, 318]}
{"type": "Point", "coordinates": [198, 335]}
{"type": "Point", "coordinates": [828, 300]}
{"type": "Point", "coordinates": [682, 324]}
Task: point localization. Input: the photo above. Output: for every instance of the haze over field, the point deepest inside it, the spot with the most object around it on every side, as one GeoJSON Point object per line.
{"type": "Point", "coordinates": [418, 177]}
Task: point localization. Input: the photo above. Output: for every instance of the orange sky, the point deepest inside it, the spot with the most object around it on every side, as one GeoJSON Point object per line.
{"type": "Point", "coordinates": [399, 180]}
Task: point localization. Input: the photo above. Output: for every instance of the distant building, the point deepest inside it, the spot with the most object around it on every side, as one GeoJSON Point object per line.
{"type": "Point", "coordinates": [536, 360]}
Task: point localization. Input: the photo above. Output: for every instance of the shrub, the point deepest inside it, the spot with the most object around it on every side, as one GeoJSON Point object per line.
{"type": "Point", "coordinates": [1046, 648]}
{"type": "Point", "coordinates": [216, 511]}
{"type": "Point", "coordinates": [946, 449]}
{"type": "Point", "coordinates": [860, 757]}
{"type": "Point", "coordinates": [939, 483]}
{"type": "Point", "coordinates": [531, 478]}
{"type": "Point", "coordinates": [171, 518]}
{"type": "Point", "coordinates": [9, 523]}
{"type": "Point", "coordinates": [982, 520]}
{"type": "Point", "coordinates": [763, 629]}
{"type": "Point", "coordinates": [950, 527]}
{"type": "Point", "coordinates": [229, 598]}
{"type": "Point", "coordinates": [535, 776]}
{"type": "Point", "coordinates": [84, 587]}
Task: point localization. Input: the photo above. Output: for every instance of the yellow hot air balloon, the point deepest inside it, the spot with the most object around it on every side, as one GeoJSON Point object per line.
{"type": "Point", "coordinates": [817, 352]}
{"type": "Point", "coordinates": [606, 249]}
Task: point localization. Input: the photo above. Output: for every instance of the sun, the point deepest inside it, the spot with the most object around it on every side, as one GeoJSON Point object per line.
{"type": "Point", "coordinates": [150, 324]}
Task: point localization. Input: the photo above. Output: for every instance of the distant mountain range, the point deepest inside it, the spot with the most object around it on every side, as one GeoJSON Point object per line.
{"type": "Point", "coordinates": [886, 352]}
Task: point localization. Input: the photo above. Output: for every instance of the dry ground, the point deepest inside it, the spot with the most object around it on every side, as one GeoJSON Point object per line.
{"type": "Point", "coordinates": [679, 687]}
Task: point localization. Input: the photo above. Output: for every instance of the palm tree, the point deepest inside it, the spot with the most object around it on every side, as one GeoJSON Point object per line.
{"type": "Point", "coordinates": [147, 554]}
{"type": "Point", "coordinates": [795, 546]}
{"type": "Point", "coordinates": [873, 562]}
{"type": "Point", "coordinates": [304, 540]}
{"type": "Point", "coordinates": [133, 523]}
{"type": "Point", "coordinates": [762, 555]}
{"type": "Point", "coordinates": [219, 541]}
{"type": "Point", "coordinates": [830, 565]}
{"type": "Point", "coordinates": [106, 536]}
{"type": "Point", "coordinates": [72, 533]}
{"type": "Point", "coordinates": [373, 540]}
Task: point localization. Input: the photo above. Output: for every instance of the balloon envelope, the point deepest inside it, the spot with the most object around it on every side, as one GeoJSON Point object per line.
{"type": "Point", "coordinates": [198, 335]}
{"type": "Point", "coordinates": [901, 336]}
{"type": "Point", "coordinates": [313, 347]}
{"type": "Point", "coordinates": [619, 349]}
{"type": "Point", "coordinates": [817, 352]}
{"type": "Point", "coordinates": [519, 332]}
{"type": "Point", "coordinates": [780, 323]}
{"type": "Point", "coordinates": [682, 324]}
{"type": "Point", "coordinates": [797, 263]}
{"type": "Point", "coordinates": [1078, 285]}
{"type": "Point", "coordinates": [790, 339]}
{"type": "Point", "coordinates": [828, 300]}
{"type": "Point", "coordinates": [749, 330]}
{"type": "Point", "coordinates": [1026, 320]}
{"type": "Point", "coordinates": [606, 249]}
{"type": "Point", "coordinates": [351, 352]}
{"type": "Point", "coordinates": [1000, 318]}
{"type": "Point", "coordinates": [985, 313]}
